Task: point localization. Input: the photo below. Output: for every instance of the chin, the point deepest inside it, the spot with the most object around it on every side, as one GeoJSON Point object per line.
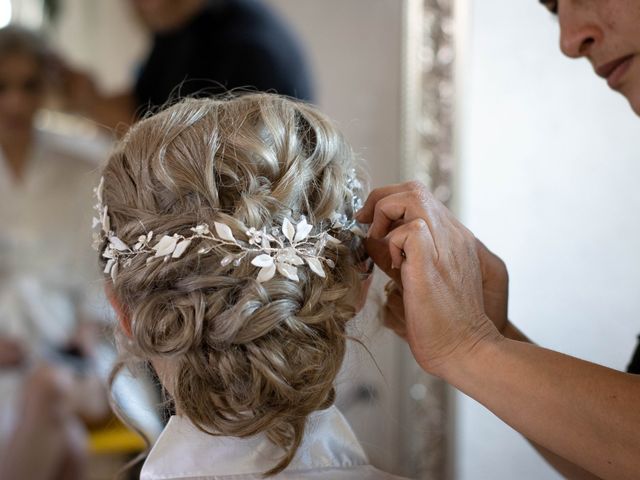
{"type": "Point", "coordinates": [632, 93]}
{"type": "Point", "coordinates": [634, 101]}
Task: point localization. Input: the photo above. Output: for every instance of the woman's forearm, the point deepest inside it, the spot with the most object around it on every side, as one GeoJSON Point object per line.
{"type": "Point", "coordinates": [585, 413]}
{"type": "Point", "coordinates": [566, 468]}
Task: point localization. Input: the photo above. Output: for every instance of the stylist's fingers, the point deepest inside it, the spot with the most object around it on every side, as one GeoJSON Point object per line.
{"type": "Point", "coordinates": [401, 208]}
{"type": "Point", "coordinates": [387, 211]}
{"type": "Point", "coordinates": [378, 250]}
{"type": "Point", "coordinates": [412, 243]}
{"type": "Point", "coordinates": [365, 214]}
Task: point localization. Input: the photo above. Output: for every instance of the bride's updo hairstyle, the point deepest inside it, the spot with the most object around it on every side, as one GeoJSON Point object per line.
{"type": "Point", "coordinates": [245, 357]}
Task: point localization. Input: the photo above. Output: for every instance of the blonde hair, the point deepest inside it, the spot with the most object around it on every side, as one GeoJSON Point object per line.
{"type": "Point", "coordinates": [248, 357]}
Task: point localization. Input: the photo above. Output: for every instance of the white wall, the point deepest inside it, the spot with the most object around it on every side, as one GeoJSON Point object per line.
{"type": "Point", "coordinates": [549, 166]}
{"type": "Point", "coordinates": [354, 47]}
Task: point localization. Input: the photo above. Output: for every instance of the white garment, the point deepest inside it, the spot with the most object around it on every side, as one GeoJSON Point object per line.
{"type": "Point", "coordinates": [48, 271]}
{"type": "Point", "coordinates": [329, 450]}
{"type": "Point", "coordinates": [47, 267]}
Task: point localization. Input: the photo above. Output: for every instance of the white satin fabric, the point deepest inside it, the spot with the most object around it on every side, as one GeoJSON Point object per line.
{"type": "Point", "coordinates": [329, 450]}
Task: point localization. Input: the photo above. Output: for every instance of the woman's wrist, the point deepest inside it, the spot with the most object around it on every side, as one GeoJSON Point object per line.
{"type": "Point", "coordinates": [476, 366]}
{"type": "Point", "coordinates": [469, 354]}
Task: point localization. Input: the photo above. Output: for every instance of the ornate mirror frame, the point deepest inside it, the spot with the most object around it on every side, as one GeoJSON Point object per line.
{"type": "Point", "coordinates": [428, 156]}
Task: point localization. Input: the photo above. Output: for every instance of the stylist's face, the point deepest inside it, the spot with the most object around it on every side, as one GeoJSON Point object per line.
{"type": "Point", "coordinates": [21, 93]}
{"type": "Point", "coordinates": [607, 33]}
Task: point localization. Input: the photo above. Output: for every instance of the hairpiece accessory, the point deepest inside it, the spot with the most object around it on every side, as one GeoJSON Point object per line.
{"type": "Point", "coordinates": [281, 249]}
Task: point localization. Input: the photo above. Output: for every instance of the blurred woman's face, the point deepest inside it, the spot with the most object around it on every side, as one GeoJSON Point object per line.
{"type": "Point", "coordinates": [21, 93]}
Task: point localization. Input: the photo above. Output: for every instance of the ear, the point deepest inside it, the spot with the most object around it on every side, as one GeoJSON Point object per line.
{"type": "Point", "coordinates": [121, 311]}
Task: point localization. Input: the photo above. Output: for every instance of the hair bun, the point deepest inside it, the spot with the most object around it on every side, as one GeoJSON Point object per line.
{"type": "Point", "coordinates": [246, 357]}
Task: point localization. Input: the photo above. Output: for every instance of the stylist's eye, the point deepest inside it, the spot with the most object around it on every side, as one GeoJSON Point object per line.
{"type": "Point", "coordinates": [551, 5]}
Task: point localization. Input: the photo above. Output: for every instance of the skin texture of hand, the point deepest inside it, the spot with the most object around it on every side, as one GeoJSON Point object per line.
{"type": "Point", "coordinates": [439, 269]}
{"type": "Point", "coordinates": [495, 286]}
{"type": "Point", "coordinates": [583, 417]}
{"type": "Point", "coordinates": [495, 291]}
{"type": "Point", "coordinates": [495, 279]}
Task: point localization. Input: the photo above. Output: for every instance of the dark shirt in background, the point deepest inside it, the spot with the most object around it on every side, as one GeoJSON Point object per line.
{"type": "Point", "coordinates": [229, 44]}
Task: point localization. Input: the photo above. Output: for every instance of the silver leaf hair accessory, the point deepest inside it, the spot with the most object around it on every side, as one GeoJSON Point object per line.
{"type": "Point", "coordinates": [276, 249]}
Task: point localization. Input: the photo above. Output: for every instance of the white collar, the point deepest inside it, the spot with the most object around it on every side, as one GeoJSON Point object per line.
{"type": "Point", "coordinates": [182, 450]}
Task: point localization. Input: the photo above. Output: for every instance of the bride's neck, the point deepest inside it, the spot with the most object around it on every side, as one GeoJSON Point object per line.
{"type": "Point", "coordinates": [166, 373]}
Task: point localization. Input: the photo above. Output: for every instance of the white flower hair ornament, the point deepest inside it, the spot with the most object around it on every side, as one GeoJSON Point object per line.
{"type": "Point", "coordinates": [278, 249]}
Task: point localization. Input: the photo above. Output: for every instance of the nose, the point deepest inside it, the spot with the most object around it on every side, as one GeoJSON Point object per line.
{"type": "Point", "coordinates": [579, 32]}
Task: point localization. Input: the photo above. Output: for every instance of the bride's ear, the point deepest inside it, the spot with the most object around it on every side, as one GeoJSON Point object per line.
{"type": "Point", "coordinates": [123, 316]}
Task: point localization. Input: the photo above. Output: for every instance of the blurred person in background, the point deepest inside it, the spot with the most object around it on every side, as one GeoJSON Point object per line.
{"type": "Point", "coordinates": [200, 47]}
{"type": "Point", "coordinates": [48, 390]}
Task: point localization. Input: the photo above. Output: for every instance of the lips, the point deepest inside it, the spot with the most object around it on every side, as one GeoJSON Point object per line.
{"type": "Point", "coordinates": [613, 71]}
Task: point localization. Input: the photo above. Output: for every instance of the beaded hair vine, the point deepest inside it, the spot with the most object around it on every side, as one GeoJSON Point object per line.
{"type": "Point", "coordinates": [274, 249]}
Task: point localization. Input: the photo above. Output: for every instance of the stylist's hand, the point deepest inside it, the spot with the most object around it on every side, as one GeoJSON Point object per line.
{"type": "Point", "coordinates": [439, 270]}
{"type": "Point", "coordinates": [495, 288]}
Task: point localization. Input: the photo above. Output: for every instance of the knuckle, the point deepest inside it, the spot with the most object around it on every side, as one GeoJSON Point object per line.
{"type": "Point", "coordinates": [378, 209]}
{"type": "Point", "coordinates": [415, 185]}
{"type": "Point", "coordinates": [421, 196]}
{"type": "Point", "coordinates": [418, 225]}
{"type": "Point", "coordinates": [417, 194]}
